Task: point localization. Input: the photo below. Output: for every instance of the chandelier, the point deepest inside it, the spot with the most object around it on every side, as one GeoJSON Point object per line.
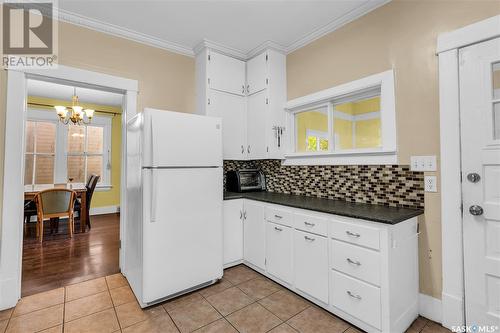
{"type": "Point", "coordinates": [76, 114]}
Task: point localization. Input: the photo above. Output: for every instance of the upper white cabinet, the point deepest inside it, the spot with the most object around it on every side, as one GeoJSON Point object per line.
{"type": "Point", "coordinates": [226, 73]}
{"type": "Point", "coordinates": [257, 73]}
{"type": "Point", "coordinates": [260, 82]}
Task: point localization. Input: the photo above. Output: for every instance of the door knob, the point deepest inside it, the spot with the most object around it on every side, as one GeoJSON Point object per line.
{"type": "Point", "coordinates": [476, 210]}
{"type": "Point", "coordinates": [473, 177]}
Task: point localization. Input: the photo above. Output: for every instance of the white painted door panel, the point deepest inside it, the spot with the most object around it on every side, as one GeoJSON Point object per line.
{"type": "Point", "coordinates": [257, 74]}
{"type": "Point", "coordinates": [256, 125]}
{"type": "Point", "coordinates": [480, 139]}
{"type": "Point", "coordinates": [182, 229]}
{"type": "Point", "coordinates": [279, 251]}
{"type": "Point", "coordinates": [254, 234]}
{"type": "Point", "coordinates": [232, 109]}
{"type": "Point", "coordinates": [173, 139]}
{"type": "Point", "coordinates": [233, 231]}
{"type": "Point", "coordinates": [226, 74]}
{"type": "Point", "coordinates": [311, 264]}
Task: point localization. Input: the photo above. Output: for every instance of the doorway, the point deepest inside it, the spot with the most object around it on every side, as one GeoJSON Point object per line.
{"type": "Point", "coordinates": [479, 74]}
{"type": "Point", "coordinates": [13, 183]}
{"type": "Point", "coordinates": [83, 156]}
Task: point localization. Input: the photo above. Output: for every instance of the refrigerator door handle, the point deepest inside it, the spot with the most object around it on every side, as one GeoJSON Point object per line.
{"type": "Point", "coordinates": [152, 144]}
{"type": "Point", "coordinates": [153, 195]}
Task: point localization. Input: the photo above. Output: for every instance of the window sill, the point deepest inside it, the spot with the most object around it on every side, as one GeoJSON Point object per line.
{"type": "Point", "coordinates": [351, 157]}
{"type": "Point", "coordinates": [103, 188]}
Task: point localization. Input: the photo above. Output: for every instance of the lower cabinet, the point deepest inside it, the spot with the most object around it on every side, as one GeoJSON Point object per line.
{"type": "Point", "coordinates": [233, 231]}
{"type": "Point", "coordinates": [311, 264]}
{"type": "Point", "coordinates": [279, 261]}
{"type": "Point", "coordinates": [254, 234]}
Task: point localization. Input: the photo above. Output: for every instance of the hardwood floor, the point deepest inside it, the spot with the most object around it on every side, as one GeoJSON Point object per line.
{"type": "Point", "coordinates": [61, 261]}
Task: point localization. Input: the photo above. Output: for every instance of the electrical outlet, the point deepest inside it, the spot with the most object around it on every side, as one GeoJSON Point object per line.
{"type": "Point", "coordinates": [430, 183]}
{"type": "Point", "coordinates": [423, 163]}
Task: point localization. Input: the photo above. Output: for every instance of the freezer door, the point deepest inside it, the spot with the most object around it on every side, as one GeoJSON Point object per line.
{"type": "Point", "coordinates": [181, 139]}
{"type": "Point", "coordinates": [182, 232]}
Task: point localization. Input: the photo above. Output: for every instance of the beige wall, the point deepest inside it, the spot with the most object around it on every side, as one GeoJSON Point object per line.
{"type": "Point", "coordinates": [166, 79]}
{"type": "Point", "coordinates": [400, 35]}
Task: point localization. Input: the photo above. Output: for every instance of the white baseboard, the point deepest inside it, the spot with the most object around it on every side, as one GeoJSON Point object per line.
{"type": "Point", "coordinates": [453, 310]}
{"type": "Point", "coordinates": [430, 308]}
{"type": "Point", "coordinates": [104, 210]}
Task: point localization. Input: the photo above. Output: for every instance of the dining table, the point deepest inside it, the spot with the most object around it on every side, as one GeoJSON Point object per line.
{"type": "Point", "coordinates": [30, 191]}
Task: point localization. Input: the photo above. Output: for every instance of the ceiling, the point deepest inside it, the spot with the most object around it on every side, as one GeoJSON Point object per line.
{"type": "Point", "coordinates": [65, 92]}
{"type": "Point", "coordinates": [240, 26]}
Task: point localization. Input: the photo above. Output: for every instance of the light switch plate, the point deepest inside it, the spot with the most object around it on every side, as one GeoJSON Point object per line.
{"type": "Point", "coordinates": [423, 163]}
{"type": "Point", "coordinates": [430, 183]}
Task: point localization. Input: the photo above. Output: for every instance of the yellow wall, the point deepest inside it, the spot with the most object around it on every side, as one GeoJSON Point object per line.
{"type": "Point", "coordinates": [312, 120]}
{"type": "Point", "coordinates": [400, 35]}
{"type": "Point", "coordinates": [101, 198]}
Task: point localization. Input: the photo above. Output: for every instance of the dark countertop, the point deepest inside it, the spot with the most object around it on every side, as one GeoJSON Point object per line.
{"type": "Point", "coordinates": [377, 213]}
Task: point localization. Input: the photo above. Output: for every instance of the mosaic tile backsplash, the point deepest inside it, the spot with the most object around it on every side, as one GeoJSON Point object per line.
{"type": "Point", "coordinates": [390, 185]}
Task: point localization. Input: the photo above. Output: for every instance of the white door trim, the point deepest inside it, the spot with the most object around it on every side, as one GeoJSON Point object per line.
{"type": "Point", "coordinates": [453, 305]}
{"type": "Point", "coordinates": [11, 237]}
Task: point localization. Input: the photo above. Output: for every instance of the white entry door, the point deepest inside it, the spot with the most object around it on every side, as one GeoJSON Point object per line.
{"type": "Point", "coordinates": [480, 139]}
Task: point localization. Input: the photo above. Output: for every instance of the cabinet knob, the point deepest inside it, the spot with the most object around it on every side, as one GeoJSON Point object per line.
{"type": "Point", "coordinates": [309, 224]}
{"type": "Point", "coordinates": [242, 149]}
{"type": "Point", "coordinates": [310, 239]}
{"type": "Point", "coordinates": [350, 293]}
{"type": "Point", "coordinates": [248, 149]}
{"type": "Point", "coordinates": [476, 210]}
{"type": "Point", "coordinates": [243, 89]}
{"type": "Point", "coordinates": [353, 262]}
{"type": "Point", "coordinates": [352, 234]}
{"type": "Point", "coordinates": [278, 229]}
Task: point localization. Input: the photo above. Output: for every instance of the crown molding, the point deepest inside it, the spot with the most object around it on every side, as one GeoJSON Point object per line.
{"type": "Point", "coordinates": [266, 46]}
{"type": "Point", "coordinates": [117, 31]}
{"type": "Point", "coordinates": [364, 9]}
{"type": "Point", "coordinates": [229, 51]}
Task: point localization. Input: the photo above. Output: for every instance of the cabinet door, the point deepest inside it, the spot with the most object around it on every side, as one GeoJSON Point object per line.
{"type": "Point", "coordinates": [254, 234]}
{"type": "Point", "coordinates": [226, 74]}
{"type": "Point", "coordinates": [231, 108]}
{"type": "Point", "coordinates": [233, 231]}
{"type": "Point", "coordinates": [311, 264]}
{"type": "Point", "coordinates": [256, 125]}
{"type": "Point", "coordinates": [279, 251]}
{"type": "Point", "coordinates": [257, 74]}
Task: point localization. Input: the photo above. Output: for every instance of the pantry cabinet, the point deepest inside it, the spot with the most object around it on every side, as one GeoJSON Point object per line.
{"type": "Point", "coordinates": [261, 83]}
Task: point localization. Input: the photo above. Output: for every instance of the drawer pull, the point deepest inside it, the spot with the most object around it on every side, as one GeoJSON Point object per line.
{"type": "Point", "coordinates": [278, 216]}
{"type": "Point", "coordinates": [353, 262]}
{"type": "Point", "coordinates": [353, 295]}
{"type": "Point", "coordinates": [352, 234]}
{"type": "Point", "coordinates": [278, 229]}
{"type": "Point", "coordinates": [309, 239]}
{"type": "Point", "coordinates": [309, 224]}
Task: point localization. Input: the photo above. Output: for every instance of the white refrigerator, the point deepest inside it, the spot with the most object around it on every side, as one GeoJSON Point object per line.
{"type": "Point", "coordinates": [173, 236]}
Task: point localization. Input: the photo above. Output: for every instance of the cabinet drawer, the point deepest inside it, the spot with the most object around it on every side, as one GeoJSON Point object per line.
{"type": "Point", "coordinates": [280, 216]}
{"type": "Point", "coordinates": [356, 261]}
{"type": "Point", "coordinates": [356, 234]}
{"type": "Point", "coordinates": [309, 223]}
{"type": "Point", "coordinates": [357, 298]}
{"type": "Point", "coordinates": [311, 264]}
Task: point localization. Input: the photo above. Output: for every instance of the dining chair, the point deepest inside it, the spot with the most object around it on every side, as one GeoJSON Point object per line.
{"type": "Point", "coordinates": [55, 203]}
{"type": "Point", "coordinates": [29, 211]}
{"type": "Point", "coordinates": [91, 185]}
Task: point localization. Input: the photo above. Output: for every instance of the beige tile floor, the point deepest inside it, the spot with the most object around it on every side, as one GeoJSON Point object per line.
{"type": "Point", "coordinates": [243, 301]}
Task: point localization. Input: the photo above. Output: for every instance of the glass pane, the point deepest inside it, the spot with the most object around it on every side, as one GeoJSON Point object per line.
{"type": "Point", "coordinates": [496, 121]}
{"type": "Point", "coordinates": [496, 80]}
{"type": "Point", "coordinates": [95, 139]}
{"type": "Point", "coordinates": [94, 166]}
{"type": "Point", "coordinates": [357, 124]}
{"type": "Point", "coordinates": [44, 169]}
{"type": "Point", "coordinates": [76, 139]}
{"type": "Point", "coordinates": [311, 128]}
{"type": "Point", "coordinates": [45, 137]}
{"type": "Point", "coordinates": [76, 169]}
{"type": "Point", "coordinates": [30, 136]}
{"type": "Point", "coordinates": [28, 169]}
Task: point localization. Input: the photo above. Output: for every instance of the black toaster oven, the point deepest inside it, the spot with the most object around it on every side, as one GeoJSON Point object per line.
{"type": "Point", "coordinates": [245, 180]}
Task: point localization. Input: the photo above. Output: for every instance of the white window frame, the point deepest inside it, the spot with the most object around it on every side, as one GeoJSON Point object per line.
{"type": "Point", "coordinates": [365, 87]}
{"type": "Point", "coordinates": [60, 165]}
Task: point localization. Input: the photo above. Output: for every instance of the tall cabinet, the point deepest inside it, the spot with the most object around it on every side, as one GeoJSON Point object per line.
{"type": "Point", "coordinates": [249, 96]}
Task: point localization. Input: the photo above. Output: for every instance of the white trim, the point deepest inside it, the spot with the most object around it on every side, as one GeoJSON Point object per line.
{"type": "Point", "coordinates": [471, 34]}
{"type": "Point", "coordinates": [341, 158]}
{"type": "Point", "coordinates": [105, 210]}
{"type": "Point", "coordinates": [219, 48]}
{"type": "Point", "coordinates": [13, 187]}
{"type": "Point", "coordinates": [430, 307]}
{"type": "Point", "coordinates": [356, 13]}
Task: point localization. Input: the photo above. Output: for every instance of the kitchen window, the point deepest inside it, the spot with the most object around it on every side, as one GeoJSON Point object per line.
{"type": "Point", "coordinates": [353, 123]}
{"type": "Point", "coordinates": [56, 152]}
